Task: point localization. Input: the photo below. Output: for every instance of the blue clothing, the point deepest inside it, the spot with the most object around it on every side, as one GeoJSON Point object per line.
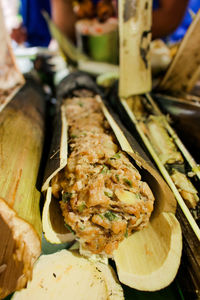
{"type": "Point", "coordinates": [194, 5]}
{"type": "Point", "coordinates": [179, 33]}
{"type": "Point", "coordinates": [155, 4]}
{"type": "Point", "coordinates": [37, 29]}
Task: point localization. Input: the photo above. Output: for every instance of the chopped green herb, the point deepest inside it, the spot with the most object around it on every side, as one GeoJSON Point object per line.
{"type": "Point", "coordinates": [116, 156]}
{"type": "Point", "coordinates": [117, 177]}
{"type": "Point", "coordinates": [74, 136]}
{"type": "Point", "coordinates": [101, 216]}
{"type": "Point", "coordinates": [126, 233]}
{"type": "Point", "coordinates": [110, 216]}
{"type": "Point", "coordinates": [69, 228]}
{"type": "Point", "coordinates": [80, 104]}
{"type": "Point", "coordinates": [105, 169]}
{"type": "Point", "coordinates": [81, 207]}
{"type": "Point", "coordinates": [138, 196]}
{"type": "Point", "coordinates": [108, 194]}
{"type": "Point", "coordinates": [66, 197]}
{"type": "Point", "coordinates": [128, 182]}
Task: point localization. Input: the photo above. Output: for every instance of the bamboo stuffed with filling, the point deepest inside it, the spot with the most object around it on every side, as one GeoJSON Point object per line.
{"type": "Point", "coordinates": [91, 183]}
{"type": "Point", "coordinates": [101, 194]}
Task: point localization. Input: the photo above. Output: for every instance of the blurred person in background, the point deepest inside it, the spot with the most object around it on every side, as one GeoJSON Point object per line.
{"type": "Point", "coordinates": [167, 16]}
{"type": "Point", "coordinates": [30, 28]}
{"type": "Point", "coordinates": [33, 21]}
{"type": "Point", "coordinates": [171, 18]}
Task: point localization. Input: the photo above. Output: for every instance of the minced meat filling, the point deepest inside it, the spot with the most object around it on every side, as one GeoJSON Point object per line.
{"type": "Point", "coordinates": [101, 193]}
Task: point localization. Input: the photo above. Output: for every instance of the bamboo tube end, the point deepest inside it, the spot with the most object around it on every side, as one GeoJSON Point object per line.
{"type": "Point", "coordinates": [149, 259]}
{"type": "Point", "coordinates": [19, 248]}
{"type": "Point", "coordinates": [67, 275]}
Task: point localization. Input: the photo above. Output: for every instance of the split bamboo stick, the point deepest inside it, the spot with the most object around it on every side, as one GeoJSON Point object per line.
{"type": "Point", "coordinates": [135, 37]}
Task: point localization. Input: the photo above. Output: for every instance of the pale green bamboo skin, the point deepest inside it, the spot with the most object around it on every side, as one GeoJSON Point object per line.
{"type": "Point", "coordinates": [21, 144]}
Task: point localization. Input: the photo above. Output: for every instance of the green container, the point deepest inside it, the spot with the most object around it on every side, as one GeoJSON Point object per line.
{"type": "Point", "coordinates": [101, 48]}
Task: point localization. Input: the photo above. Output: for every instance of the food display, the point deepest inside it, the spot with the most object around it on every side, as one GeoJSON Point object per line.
{"type": "Point", "coordinates": [111, 225]}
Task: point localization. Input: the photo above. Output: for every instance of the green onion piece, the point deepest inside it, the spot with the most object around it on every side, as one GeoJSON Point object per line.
{"type": "Point", "coordinates": [110, 216]}
{"type": "Point", "coordinates": [126, 233]}
{"type": "Point", "coordinates": [101, 216]}
{"type": "Point", "coordinates": [69, 228]}
{"type": "Point", "coordinates": [81, 207]}
{"type": "Point", "coordinates": [105, 169]}
{"type": "Point", "coordinates": [128, 182]}
{"type": "Point", "coordinates": [108, 194]}
{"type": "Point", "coordinates": [117, 177]}
{"type": "Point", "coordinates": [116, 156]}
{"type": "Point", "coordinates": [74, 136]}
{"type": "Point", "coordinates": [80, 104]}
{"type": "Point", "coordinates": [66, 197]}
{"type": "Point", "coordinates": [138, 196]}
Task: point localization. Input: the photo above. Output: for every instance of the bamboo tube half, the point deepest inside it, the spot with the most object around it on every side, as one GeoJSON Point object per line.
{"type": "Point", "coordinates": [148, 259]}
{"type": "Point", "coordinates": [21, 142]}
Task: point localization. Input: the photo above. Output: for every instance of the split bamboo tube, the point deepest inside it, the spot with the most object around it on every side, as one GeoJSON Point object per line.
{"type": "Point", "coordinates": [21, 143]}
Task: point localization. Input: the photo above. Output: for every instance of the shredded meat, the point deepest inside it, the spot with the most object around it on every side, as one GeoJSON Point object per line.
{"type": "Point", "coordinates": [100, 191]}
